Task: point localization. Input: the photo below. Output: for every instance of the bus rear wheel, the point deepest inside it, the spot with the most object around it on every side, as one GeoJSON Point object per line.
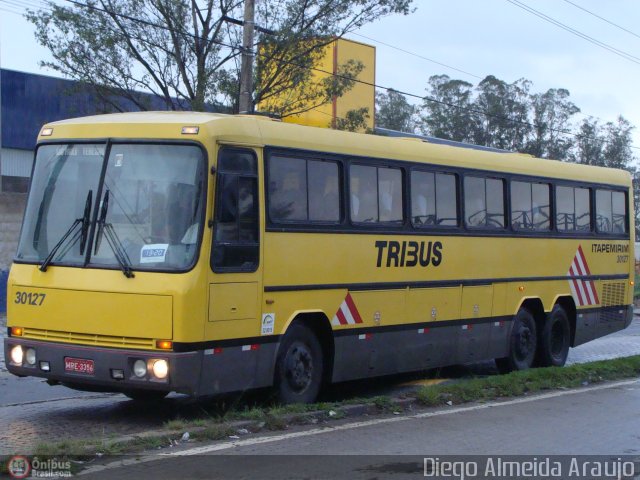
{"type": "Point", "coordinates": [299, 366]}
{"type": "Point", "coordinates": [522, 344]}
{"type": "Point", "coordinates": [555, 339]}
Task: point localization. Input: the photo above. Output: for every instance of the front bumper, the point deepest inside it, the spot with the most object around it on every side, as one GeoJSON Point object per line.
{"type": "Point", "coordinates": [184, 368]}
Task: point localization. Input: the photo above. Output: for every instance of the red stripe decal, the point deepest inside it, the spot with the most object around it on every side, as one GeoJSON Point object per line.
{"type": "Point", "coordinates": [584, 260]}
{"type": "Point", "coordinates": [352, 308]}
{"type": "Point", "coordinates": [341, 318]}
{"type": "Point", "coordinates": [595, 292]}
{"type": "Point", "coordinates": [576, 266]}
{"type": "Point", "coordinates": [576, 286]}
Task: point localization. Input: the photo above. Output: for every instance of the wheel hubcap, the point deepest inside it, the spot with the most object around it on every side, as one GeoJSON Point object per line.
{"type": "Point", "coordinates": [299, 367]}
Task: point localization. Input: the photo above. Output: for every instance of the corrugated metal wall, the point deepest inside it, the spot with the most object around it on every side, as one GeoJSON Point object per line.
{"type": "Point", "coordinates": [16, 163]}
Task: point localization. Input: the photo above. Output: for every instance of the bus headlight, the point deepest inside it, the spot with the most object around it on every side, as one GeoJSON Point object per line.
{"type": "Point", "coordinates": [160, 369]}
{"type": "Point", "coordinates": [140, 368]}
{"type": "Point", "coordinates": [30, 356]}
{"type": "Point", "coordinates": [17, 354]}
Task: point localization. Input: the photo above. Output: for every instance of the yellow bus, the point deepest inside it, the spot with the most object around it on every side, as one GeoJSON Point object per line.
{"type": "Point", "coordinates": [204, 253]}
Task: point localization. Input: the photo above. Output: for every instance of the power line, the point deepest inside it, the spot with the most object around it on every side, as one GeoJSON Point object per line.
{"type": "Point", "coordinates": [17, 4]}
{"type": "Point", "coordinates": [11, 11]}
{"type": "Point", "coordinates": [337, 75]}
{"type": "Point", "coordinates": [416, 55]}
{"type": "Point", "coordinates": [584, 36]}
{"type": "Point", "coordinates": [602, 18]}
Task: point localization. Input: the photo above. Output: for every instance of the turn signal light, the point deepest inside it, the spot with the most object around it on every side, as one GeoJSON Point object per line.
{"type": "Point", "coordinates": [164, 344]}
{"type": "Point", "coordinates": [17, 331]}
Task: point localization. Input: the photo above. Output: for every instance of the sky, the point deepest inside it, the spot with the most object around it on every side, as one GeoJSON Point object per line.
{"type": "Point", "coordinates": [476, 37]}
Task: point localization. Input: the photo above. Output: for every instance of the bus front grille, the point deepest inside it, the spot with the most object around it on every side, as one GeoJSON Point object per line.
{"type": "Point", "coordinates": [88, 339]}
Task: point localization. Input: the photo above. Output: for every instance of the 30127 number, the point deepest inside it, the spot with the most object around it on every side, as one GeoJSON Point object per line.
{"type": "Point", "coordinates": [24, 298]}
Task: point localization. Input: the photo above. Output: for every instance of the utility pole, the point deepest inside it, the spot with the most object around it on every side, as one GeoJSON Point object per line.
{"type": "Point", "coordinates": [246, 70]}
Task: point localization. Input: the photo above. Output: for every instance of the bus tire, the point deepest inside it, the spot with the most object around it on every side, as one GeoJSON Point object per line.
{"type": "Point", "coordinates": [147, 396]}
{"type": "Point", "coordinates": [522, 344]}
{"type": "Point", "coordinates": [299, 366]}
{"type": "Point", "coordinates": [555, 339]}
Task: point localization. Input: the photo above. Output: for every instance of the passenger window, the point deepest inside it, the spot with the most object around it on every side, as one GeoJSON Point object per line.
{"type": "Point", "coordinates": [484, 202]}
{"type": "Point", "coordinates": [530, 206]}
{"type": "Point", "coordinates": [610, 212]}
{"type": "Point", "coordinates": [573, 210]}
{"type": "Point", "coordinates": [390, 194]}
{"type": "Point", "coordinates": [287, 189]}
{"type": "Point", "coordinates": [433, 199]}
{"type": "Point", "coordinates": [619, 212]}
{"type": "Point", "coordinates": [324, 191]}
{"type": "Point", "coordinates": [302, 190]}
{"type": "Point", "coordinates": [236, 219]}
{"type": "Point", "coordinates": [376, 194]}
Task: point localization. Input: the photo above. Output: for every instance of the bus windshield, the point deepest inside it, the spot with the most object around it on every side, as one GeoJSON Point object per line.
{"type": "Point", "coordinates": [147, 214]}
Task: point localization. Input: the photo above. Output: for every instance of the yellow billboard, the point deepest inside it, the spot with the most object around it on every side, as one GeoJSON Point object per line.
{"type": "Point", "coordinates": [362, 95]}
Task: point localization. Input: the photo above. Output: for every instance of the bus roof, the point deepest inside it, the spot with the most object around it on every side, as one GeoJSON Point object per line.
{"type": "Point", "coordinates": [262, 130]}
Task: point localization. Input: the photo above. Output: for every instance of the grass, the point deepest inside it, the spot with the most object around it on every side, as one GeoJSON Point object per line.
{"type": "Point", "coordinates": [529, 381]}
{"type": "Point", "coordinates": [92, 446]}
{"type": "Point", "coordinates": [213, 432]}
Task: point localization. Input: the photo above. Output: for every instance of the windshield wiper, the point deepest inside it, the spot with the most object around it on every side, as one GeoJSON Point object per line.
{"type": "Point", "coordinates": [81, 234]}
{"type": "Point", "coordinates": [106, 229]}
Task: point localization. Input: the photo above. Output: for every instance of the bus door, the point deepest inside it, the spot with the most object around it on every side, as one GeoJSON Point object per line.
{"type": "Point", "coordinates": [235, 285]}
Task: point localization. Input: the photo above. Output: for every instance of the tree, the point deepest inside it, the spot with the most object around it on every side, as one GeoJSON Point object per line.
{"type": "Point", "coordinates": [354, 120]}
{"type": "Point", "coordinates": [448, 108]}
{"type": "Point", "coordinates": [552, 112]}
{"type": "Point", "coordinates": [185, 51]}
{"type": "Point", "coordinates": [394, 112]}
{"type": "Point", "coordinates": [589, 144]}
{"type": "Point", "coordinates": [617, 150]}
{"type": "Point", "coordinates": [504, 122]}
{"type": "Point", "coordinates": [607, 145]}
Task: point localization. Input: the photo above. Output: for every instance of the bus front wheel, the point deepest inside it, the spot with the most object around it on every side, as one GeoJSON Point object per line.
{"type": "Point", "coordinates": [555, 339]}
{"type": "Point", "coordinates": [298, 374]}
{"type": "Point", "coordinates": [522, 344]}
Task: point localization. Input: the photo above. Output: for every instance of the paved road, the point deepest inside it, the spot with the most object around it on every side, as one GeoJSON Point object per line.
{"type": "Point", "coordinates": [558, 423]}
{"type": "Point", "coordinates": [32, 411]}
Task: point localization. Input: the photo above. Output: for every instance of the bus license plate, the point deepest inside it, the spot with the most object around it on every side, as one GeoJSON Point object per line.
{"type": "Point", "coordinates": [78, 365]}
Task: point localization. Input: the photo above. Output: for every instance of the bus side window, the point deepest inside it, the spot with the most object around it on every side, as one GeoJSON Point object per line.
{"type": "Point", "coordinates": [433, 199]}
{"type": "Point", "coordinates": [376, 194]}
{"type": "Point", "coordinates": [530, 206]}
{"type": "Point", "coordinates": [619, 212]}
{"type": "Point", "coordinates": [303, 190]}
{"type": "Point", "coordinates": [573, 209]}
{"type": "Point", "coordinates": [236, 220]}
{"type": "Point", "coordinates": [484, 202]}
{"type": "Point", "coordinates": [611, 212]}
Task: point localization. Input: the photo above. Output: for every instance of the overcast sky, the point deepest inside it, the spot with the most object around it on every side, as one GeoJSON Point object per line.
{"type": "Point", "coordinates": [480, 37]}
